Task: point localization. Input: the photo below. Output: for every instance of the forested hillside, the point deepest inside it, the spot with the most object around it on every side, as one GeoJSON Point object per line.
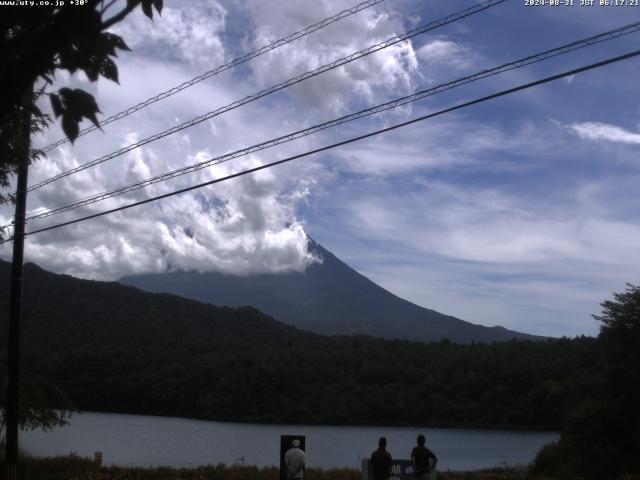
{"type": "Point", "coordinates": [63, 313]}
{"type": "Point", "coordinates": [516, 384]}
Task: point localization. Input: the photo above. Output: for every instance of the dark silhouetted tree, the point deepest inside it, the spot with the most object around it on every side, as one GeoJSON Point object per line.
{"type": "Point", "coordinates": [601, 435]}
{"type": "Point", "coordinates": [620, 343]}
{"type": "Point", "coordinates": [37, 42]}
{"type": "Point", "coordinates": [38, 396]}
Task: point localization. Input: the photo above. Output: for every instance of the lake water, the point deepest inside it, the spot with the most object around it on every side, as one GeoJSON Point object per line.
{"type": "Point", "coordinates": [151, 441]}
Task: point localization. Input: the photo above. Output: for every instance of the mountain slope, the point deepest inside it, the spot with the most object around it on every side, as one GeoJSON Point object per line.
{"type": "Point", "coordinates": [63, 313]}
{"type": "Point", "coordinates": [328, 298]}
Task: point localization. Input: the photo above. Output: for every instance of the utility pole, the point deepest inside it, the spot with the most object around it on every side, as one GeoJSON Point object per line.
{"type": "Point", "coordinates": [15, 299]}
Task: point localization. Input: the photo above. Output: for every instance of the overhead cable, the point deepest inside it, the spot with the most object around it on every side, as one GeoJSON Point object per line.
{"type": "Point", "coordinates": [330, 66]}
{"type": "Point", "coordinates": [233, 63]}
{"type": "Point", "coordinates": [345, 142]}
{"type": "Point", "coordinates": [522, 62]}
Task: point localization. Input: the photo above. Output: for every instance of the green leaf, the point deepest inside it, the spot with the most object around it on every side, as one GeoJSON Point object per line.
{"type": "Point", "coordinates": [79, 104]}
{"type": "Point", "coordinates": [70, 127]}
{"type": "Point", "coordinates": [146, 8]}
{"type": "Point", "coordinates": [116, 41]}
{"type": "Point", "coordinates": [69, 58]}
{"type": "Point", "coordinates": [109, 70]}
{"type": "Point", "coordinates": [93, 118]}
{"type": "Point", "coordinates": [92, 71]}
{"type": "Point", "coordinates": [56, 104]}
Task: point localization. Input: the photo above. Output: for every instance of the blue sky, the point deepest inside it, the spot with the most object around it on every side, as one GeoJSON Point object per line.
{"type": "Point", "coordinates": [521, 212]}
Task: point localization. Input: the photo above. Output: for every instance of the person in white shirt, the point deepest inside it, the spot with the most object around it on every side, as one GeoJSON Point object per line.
{"type": "Point", "coordinates": [294, 461]}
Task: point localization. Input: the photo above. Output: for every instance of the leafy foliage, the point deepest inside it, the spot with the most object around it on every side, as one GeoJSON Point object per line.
{"type": "Point", "coordinates": [73, 106]}
{"type": "Point", "coordinates": [37, 396]}
{"type": "Point", "coordinates": [601, 435]}
{"type": "Point", "coordinates": [14, 137]}
{"type": "Point", "coordinates": [35, 43]}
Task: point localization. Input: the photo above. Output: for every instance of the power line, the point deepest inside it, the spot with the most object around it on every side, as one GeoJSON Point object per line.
{"type": "Point", "coordinates": [292, 81]}
{"type": "Point", "coordinates": [345, 142]}
{"type": "Point", "coordinates": [233, 63]}
{"type": "Point", "coordinates": [564, 49]}
{"type": "Point", "coordinates": [337, 63]}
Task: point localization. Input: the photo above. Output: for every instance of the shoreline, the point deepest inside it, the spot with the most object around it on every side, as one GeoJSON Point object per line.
{"type": "Point", "coordinates": [514, 429]}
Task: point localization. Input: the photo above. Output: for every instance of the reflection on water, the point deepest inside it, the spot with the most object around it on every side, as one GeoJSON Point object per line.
{"type": "Point", "coordinates": [144, 440]}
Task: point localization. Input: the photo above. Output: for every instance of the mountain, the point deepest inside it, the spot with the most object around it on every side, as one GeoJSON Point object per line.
{"type": "Point", "coordinates": [62, 313]}
{"type": "Point", "coordinates": [329, 298]}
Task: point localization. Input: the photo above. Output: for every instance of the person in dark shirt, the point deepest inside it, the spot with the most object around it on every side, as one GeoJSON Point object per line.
{"type": "Point", "coordinates": [381, 461]}
{"type": "Point", "coordinates": [421, 459]}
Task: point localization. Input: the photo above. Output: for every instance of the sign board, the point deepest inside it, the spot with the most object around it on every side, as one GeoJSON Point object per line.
{"type": "Point", "coordinates": [400, 470]}
{"type": "Point", "coordinates": [285, 444]}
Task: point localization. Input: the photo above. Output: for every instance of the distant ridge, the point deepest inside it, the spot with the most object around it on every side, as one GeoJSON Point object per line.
{"type": "Point", "coordinates": [329, 298]}
{"type": "Point", "coordinates": [66, 314]}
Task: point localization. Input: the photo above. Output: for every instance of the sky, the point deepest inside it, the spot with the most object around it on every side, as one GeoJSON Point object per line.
{"type": "Point", "coordinates": [522, 211]}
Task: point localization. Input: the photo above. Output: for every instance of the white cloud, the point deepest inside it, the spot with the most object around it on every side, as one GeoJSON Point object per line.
{"type": "Point", "coordinates": [386, 71]}
{"type": "Point", "coordinates": [442, 56]}
{"type": "Point", "coordinates": [438, 144]}
{"type": "Point", "coordinates": [488, 225]}
{"type": "Point", "coordinates": [604, 132]}
{"type": "Point", "coordinates": [244, 227]}
{"type": "Point", "coordinates": [181, 34]}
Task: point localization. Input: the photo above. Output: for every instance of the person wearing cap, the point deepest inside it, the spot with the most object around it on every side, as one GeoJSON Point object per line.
{"type": "Point", "coordinates": [423, 460]}
{"type": "Point", "coordinates": [294, 461]}
{"type": "Point", "coordinates": [381, 461]}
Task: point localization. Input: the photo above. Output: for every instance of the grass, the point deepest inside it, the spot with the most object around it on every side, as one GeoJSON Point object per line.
{"type": "Point", "coordinates": [73, 467]}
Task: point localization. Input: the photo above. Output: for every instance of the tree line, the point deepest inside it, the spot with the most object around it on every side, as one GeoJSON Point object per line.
{"type": "Point", "coordinates": [518, 384]}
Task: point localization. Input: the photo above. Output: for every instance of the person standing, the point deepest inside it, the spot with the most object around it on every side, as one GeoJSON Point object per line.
{"type": "Point", "coordinates": [381, 461]}
{"type": "Point", "coordinates": [294, 461]}
{"type": "Point", "coordinates": [423, 460]}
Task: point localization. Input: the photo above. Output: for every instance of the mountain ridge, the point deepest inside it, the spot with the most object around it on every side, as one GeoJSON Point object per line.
{"type": "Point", "coordinates": [329, 298]}
{"type": "Point", "coordinates": [64, 313]}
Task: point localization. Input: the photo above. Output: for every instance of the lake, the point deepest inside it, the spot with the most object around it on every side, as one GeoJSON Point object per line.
{"type": "Point", "coordinates": [151, 441]}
